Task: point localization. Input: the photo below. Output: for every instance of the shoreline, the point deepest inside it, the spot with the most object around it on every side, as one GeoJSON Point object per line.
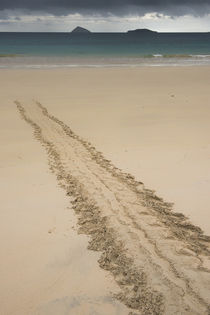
{"type": "Point", "coordinates": [110, 67]}
{"type": "Point", "coordinates": [70, 62]}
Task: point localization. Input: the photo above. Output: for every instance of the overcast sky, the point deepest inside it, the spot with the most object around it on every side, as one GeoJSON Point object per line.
{"type": "Point", "coordinates": [105, 15]}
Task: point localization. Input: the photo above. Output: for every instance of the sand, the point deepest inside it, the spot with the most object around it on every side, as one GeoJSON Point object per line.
{"type": "Point", "coordinates": [45, 265]}
{"type": "Point", "coordinates": [152, 123]}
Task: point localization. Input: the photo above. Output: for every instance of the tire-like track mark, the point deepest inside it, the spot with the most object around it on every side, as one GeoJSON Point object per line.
{"type": "Point", "coordinates": [160, 261]}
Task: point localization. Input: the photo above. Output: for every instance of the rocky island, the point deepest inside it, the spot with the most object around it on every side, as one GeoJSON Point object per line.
{"type": "Point", "coordinates": [80, 30]}
{"type": "Point", "coordinates": [143, 31]}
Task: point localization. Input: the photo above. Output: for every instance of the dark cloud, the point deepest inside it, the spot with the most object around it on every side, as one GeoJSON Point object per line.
{"type": "Point", "coordinates": [4, 15]}
{"type": "Point", "coordinates": [104, 7]}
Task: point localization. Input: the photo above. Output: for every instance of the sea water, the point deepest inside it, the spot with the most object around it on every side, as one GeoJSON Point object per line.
{"type": "Point", "coordinates": [49, 50]}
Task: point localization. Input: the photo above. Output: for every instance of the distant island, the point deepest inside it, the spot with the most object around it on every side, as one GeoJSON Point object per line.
{"type": "Point", "coordinates": [142, 31]}
{"type": "Point", "coordinates": [80, 29]}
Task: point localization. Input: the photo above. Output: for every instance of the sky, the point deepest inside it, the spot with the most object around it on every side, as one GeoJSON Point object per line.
{"type": "Point", "coordinates": [105, 15]}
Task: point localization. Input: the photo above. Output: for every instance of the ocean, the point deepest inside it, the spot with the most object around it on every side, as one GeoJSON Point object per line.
{"type": "Point", "coordinates": [51, 50]}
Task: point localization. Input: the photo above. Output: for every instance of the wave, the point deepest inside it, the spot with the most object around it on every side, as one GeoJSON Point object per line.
{"type": "Point", "coordinates": [175, 56]}
{"type": "Point", "coordinates": [146, 64]}
{"type": "Point", "coordinates": [47, 62]}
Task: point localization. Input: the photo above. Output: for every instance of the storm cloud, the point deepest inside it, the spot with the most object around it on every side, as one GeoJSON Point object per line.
{"type": "Point", "coordinates": [107, 7]}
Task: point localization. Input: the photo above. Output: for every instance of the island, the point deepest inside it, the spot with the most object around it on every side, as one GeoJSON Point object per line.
{"type": "Point", "coordinates": [80, 30]}
{"type": "Point", "coordinates": [143, 31]}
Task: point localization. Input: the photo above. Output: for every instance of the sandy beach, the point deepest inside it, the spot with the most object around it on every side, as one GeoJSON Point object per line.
{"type": "Point", "coordinates": [82, 152]}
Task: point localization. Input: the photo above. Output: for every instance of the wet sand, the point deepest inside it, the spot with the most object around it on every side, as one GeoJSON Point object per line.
{"type": "Point", "coordinates": [124, 219]}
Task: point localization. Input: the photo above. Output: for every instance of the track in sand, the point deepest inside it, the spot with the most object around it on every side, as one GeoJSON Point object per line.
{"type": "Point", "coordinates": [160, 261]}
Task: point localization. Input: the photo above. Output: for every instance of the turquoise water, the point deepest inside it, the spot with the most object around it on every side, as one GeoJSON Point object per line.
{"type": "Point", "coordinates": [66, 49]}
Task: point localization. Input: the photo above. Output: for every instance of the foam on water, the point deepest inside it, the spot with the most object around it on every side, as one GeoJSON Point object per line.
{"type": "Point", "coordinates": [42, 63]}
